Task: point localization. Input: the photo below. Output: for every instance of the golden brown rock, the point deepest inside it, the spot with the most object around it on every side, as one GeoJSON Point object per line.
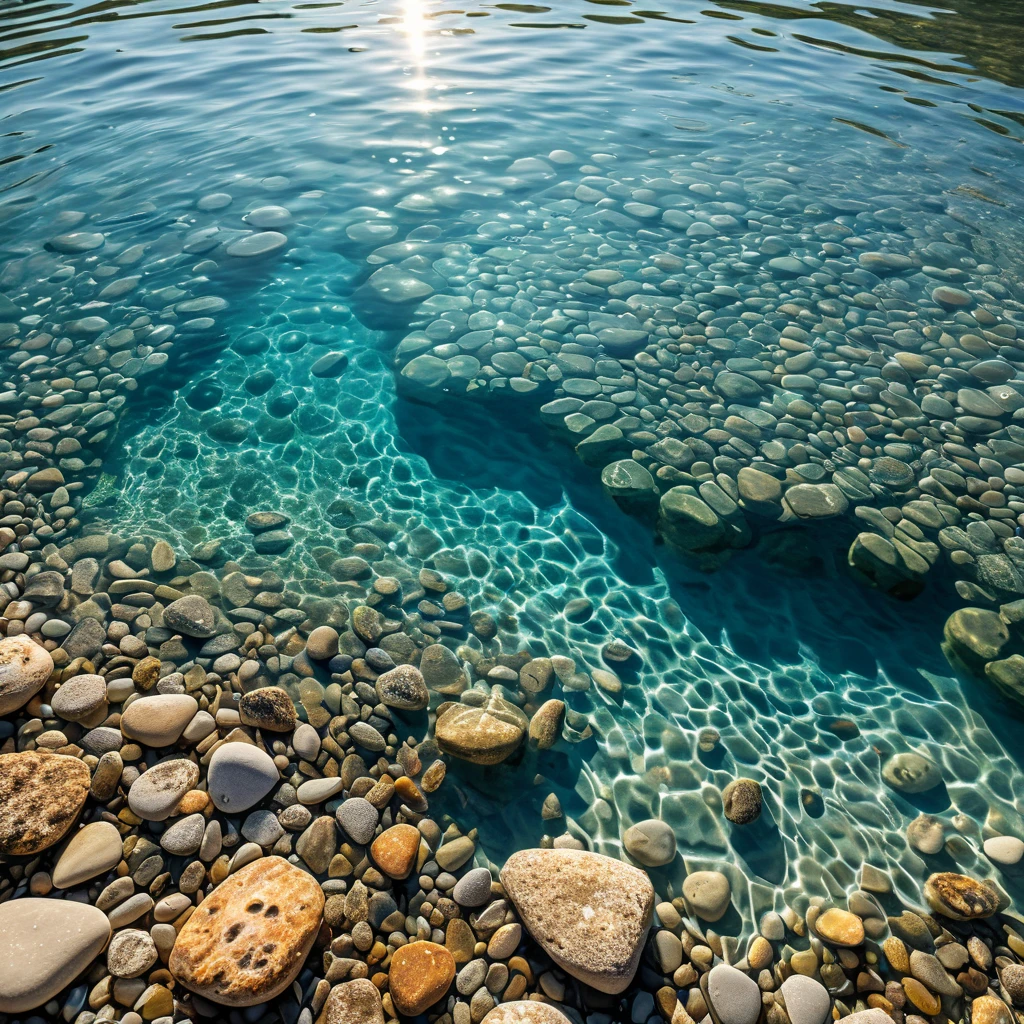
{"type": "Point", "coordinates": [482, 735]}
{"type": "Point", "coordinates": [924, 1000]}
{"type": "Point", "coordinates": [248, 939]}
{"type": "Point", "coordinates": [420, 975]}
{"type": "Point", "coordinates": [962, 898]}
{"type": "Point", "coordinates": [40, 796]}
{"type": "Point", "coordinates": [840, 927]}
{"type": "Point", "coordinates": [394, 850]}
{"type": "Point", "coordinates": [990, 1010]}
{"type": "Point", "coordinates": [896, 953]}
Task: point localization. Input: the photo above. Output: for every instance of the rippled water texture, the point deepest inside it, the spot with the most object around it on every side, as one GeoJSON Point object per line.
{"type": "Point", "coordinates": [455, 130]}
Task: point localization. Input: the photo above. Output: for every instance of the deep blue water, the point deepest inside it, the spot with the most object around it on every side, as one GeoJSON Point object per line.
{"type": "Point", "coordinates": [375, 123]}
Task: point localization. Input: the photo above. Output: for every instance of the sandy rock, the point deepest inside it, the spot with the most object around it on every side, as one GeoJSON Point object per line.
{"type": "Point", "coordinates": [525, 1011]}
{"type": "Point", "coordinates": [268, 707]}
{"type": "Point", "coordinates": [420, 975]}
{"type": "Point", "coordinates": [44, 945]}
{"type": "Point", "coordinates": [589, 913]}
{"type": "Point", "coordinates": [872, 1016]}
{"type": "Point", "coordinates": [80, 697]}
{"type": "Point", "coordinates": [131, 952]}
{"type": "Point", "coordinates": [158, 721]}
{"type": "Point", "coordinates": [40, 796]}
{"type": "Point", "coordinates": [911, 773]}
{"type": "Point", "coordinates": [403, 688]}
{"type": "Point", "coordinates": [249, 938]}
{"type": "Point", "coordinates": [732, 997]}
{"type": "Point", "coordinates": [840, 927]}
{"type": "Point", "coordinates": [24, 668]}
{"type": "Point", "coordinates": [807, 1000]}
{"type": "Point", "coordinates": [741, 801]}
{"type": "Point", "coordinates": [1005, 850]}
{"type": "Point", "coordinates": [94, 849]}
{"type": "Point", "coordinates": [353, 1002]}
{"type": "Point", "coordinates": [191, 615]}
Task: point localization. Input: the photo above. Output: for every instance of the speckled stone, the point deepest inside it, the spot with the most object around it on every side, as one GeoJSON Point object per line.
{"type": "Point", "coordinates": [40, 796]}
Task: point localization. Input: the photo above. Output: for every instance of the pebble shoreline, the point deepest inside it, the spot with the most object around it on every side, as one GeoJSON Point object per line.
{"type": "Point", "coordinates": [204, 770]}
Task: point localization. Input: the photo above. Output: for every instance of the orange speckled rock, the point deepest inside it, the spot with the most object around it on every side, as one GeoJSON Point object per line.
{"type": "Point", "coordinates": [394, 850]}
{"type": "Point", "coordinates": [247, 941]}
{"type": "Point", "coordinates": [420, 975]}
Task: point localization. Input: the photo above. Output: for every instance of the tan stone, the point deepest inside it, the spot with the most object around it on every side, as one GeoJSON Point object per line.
{"type": "Point", "coordinates": [353, 1002]}
{"type": "Point", "coordinates": [589, 913]}
{"type": "Point", "coordinates": [525, 1011]}
{"type": "Point", "coordinates": [481, 735]}
{"type": "Point", "coordinates": [44, 946]}
{"type": "Point", "coordinates": [990, 1010]}
{"type": "Point", "coordinates": [394, 850]}
{"type": "Point", "coordinates": [248, 940]}
{"type": "Point", "coordinates": [420, 975]}
{"type": "Point", "coordinates": [840, 927]}
{"type": "Point", "coordinates": [895, 951]}
{"type": "Point", "coordinates": [158, 721]}
{"type": "Point", "coordinates": [93, 851]}
{"type": "Point", "coordinates": [40, 796]}
{"type": "Point", "coordinates": [24, 668]}
{"type": "Point", "coordinates": [924, 1000]}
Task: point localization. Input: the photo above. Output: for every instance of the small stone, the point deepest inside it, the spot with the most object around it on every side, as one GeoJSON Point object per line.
{"type": "Point", "coordinates": [394, 851]}
{"type": "Point", "coordinates": [240, 775]}
{"type": "Point", "coordinates": [990, 1010]}
{"type": "Point", "coordinates": [741, 800]}
{"type": "Point", "coordinates": [94, 849]}
{"type": "Point", "coordinates": [403, 688]}
{"type": "Point", "coordinates": [191, 615]}
{"type": "Point", "coordinates": [46, 944]}
{"type": "Point", "coordinates": [962, 898]}
{"type": "Point", "coordinates": [926, 834]}
{"type": "Point", "coordinates": [546, 724]}
{"type": "Point", "coordinates": [840, 927]}
{"type": "Point", "coordinates": [420, 975]}
{"type": "Point", "coordinates": [248, 940]}
{"type": "Point", "coordinates": [24, 668]}
{"type": "Point", "coordinates": [359, 818]}
{"type": "Point", "coordinates": [185, 836]}
{"type": "Point", "coordinates": [353, 1002]}
{"type": "Point", "coordinates": [482, 735]}
{"type": "Point", "coordinates": [525, 1011]}
{"type": "Point", "coordinates": [651, 842]}
{"type": "Point", "coordinates": [732, 997]}
{"type": "Point", "coordinates": [977, 635]}
{"type": "Point", "coordinates": [158, 721]}
{"type": "Point", "coordinates": [807, 1001]}
{"type": "Point", "coordinates": [322, 643]}
{"type": "Point", "coordinates": [1004, 850]}
{"type": "Point", "coordinates": [911, 773]}
{"type": "Point", "coordinates": [155, 793]}
{"type": "Point", "coordinates": [709, 893]}
{"type": "Point", "coordinates": [40, 797]}
{"type": "Point", "coordinates": [589, 913]}
{"type": "Point", "coordinates": [131, 952]}
{"type": "Point", "coordinates": [80, 697]}
{"type": "Point", "coordinates": [473, 889]}
{"type": "Point", "coordinates": [268, 707]}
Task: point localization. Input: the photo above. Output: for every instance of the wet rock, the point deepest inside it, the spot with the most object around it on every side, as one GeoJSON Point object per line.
{"type": "Point", "coordinates": [962, 898]}
{"type": "Point", "coordinates": [731, 996]}
{"type": "Point", "coordinates": [482, 735]}
{"type": "Point", "coordinates": [911, 773]}
{"type": "Point", "coordinates": [807, 1001]}
{"type": "Point", "coordinates": [158, 721]}
{"type": "Point", "coordinates": [248, 940]}
{"type": "Point", "coordinates": [840, 927]}
{"type": "Point", "coordinates": [741, 801]}
{"type": "Point", "coordinates": [404, 688]}
{"type": "Point", "coordinates": [709, 893]}
{"type": "Point", "coordinates": [589, 913]}
{"type": "Point", "coordinates": [651, 842]}
{"type": "Point", "coordinates": [394, 851]}
{"type": "Point", "coordinates": [976, 634]}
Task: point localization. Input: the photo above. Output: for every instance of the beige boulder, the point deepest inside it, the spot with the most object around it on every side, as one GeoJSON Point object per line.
{"type": "Point", "coordinates": [353, 1002]}
{"type": "Point", "coordinates": [525, 1011]}
{"type": "Point", "coordinates": [589, 913]}
{"type": "Point", "coordinates": [24, 668]}
{"type": "Point", "coordinates": [482, 735]}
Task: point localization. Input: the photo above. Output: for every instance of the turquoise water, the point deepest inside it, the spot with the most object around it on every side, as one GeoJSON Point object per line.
{"type": "Point", "coordinates": [455, 143]}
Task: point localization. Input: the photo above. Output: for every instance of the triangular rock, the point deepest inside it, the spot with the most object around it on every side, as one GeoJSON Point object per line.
{"type": "Point", "coordinates": [589, 913]}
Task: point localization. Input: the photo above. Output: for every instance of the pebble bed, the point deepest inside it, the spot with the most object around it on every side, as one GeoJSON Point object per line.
{"type": "Point", "coordinates": [223, 788]}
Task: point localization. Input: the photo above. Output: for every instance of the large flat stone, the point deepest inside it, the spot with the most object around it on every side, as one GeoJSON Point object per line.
{"type": "Point", "coordinates": [40, 796]}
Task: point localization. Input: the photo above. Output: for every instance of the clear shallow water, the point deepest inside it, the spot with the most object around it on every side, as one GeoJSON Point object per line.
{"type": "Point", "coordinates": [410, 118]}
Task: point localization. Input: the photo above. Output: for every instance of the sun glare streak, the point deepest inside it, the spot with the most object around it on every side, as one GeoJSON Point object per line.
{"type": "Point", "coordinates": [414, 28]}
